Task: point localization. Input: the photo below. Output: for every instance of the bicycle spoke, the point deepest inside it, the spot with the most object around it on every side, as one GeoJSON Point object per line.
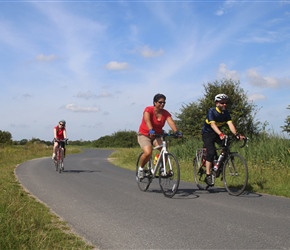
{"type": "Point", "coordinates": [235, 174]}
{"type": "Point", "coordinates": [170, 176]}
{"type": "Point", "coordinates": [144, 183]}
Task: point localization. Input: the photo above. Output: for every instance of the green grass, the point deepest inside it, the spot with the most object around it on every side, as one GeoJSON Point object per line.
{"type": "Point", "coordinates": [267, 159]}
{"type": "Point", "coordinates": [25, 223]}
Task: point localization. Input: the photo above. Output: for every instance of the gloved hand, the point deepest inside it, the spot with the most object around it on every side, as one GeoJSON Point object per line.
{"type": "Point", "coordinates": [222, 136]}
{"type": "Point", "coordinates": [178, 134]}
{"type": "Point", "coordinates": [151, 132]}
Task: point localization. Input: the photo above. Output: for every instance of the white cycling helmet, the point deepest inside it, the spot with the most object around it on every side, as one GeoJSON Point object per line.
{"type": "Point", "coordinates": [221, 97]}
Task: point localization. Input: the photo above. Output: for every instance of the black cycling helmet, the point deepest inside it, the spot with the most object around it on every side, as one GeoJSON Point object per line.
{"type": "Point", "coordinates": [63, 122]}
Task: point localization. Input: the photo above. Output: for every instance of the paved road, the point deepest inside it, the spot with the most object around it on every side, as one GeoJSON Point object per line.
{"type": "Point", "coordinates": [103, 204]}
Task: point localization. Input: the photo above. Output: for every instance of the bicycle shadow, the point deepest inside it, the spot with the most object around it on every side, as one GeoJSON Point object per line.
{"type": "Point", "coordinates": [80, 171]}
{"type": "Point", "coordinates": [185, 193]}
{"type": "Point", "coordinates": [246, 193]}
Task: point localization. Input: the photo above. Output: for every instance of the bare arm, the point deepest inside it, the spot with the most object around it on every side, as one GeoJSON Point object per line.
{"type": "Point", "coordinates": [215, 128]}
{"type": "Point", "coordinates": [54, 133]}
{"type": "Point", "coordinates": [64, 134]}
{"type": "Point", "coordinates": [147, 120]}
{"type": "Point", "coordinates": [171, 124]}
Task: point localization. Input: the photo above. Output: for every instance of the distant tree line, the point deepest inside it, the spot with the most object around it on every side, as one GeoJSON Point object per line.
{"type": "Point", "coordinates": [189, 119]}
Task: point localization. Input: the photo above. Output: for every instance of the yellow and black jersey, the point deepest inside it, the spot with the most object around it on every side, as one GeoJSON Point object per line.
{"type": "Point", "coordinates": [215, 115]}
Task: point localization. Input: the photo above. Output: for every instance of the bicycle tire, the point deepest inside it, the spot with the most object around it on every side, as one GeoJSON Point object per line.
{"type": "Point", "coordinates": [60, 168]}
{"type": "Point", "coordinates": [169, 181]}
{"type": "Point", "coordinates": [199, 172]}
{"type": "Point", "coordinates": [235, 174]}
{"type": "Point", "coordinates": [145, 182]}
{"type": "Point", "coordinates": [56, 165]}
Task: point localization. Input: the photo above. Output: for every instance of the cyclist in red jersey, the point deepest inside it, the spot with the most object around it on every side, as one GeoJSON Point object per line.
{"type": "Point", "coordinates": [59, 133]}
{"type": "Point", "coordinates": [153, 120]}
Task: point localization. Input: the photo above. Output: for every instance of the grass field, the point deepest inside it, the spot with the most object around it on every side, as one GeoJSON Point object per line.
{"type": "Point", "coordinates": [25, 223]}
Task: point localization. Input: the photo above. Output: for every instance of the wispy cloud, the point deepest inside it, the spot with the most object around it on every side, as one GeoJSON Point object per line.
{"type": "Point", "coordinates": [45, 58]}
{"type": "Point", "coordinates": [91, 95]}
{"type": "Point", "coordinates": [76, 108]}
{"type": "Point", "coordinates": [117, 66]}
{"type": "Point", "coordinates": [224, 72]}
{"type": "Point", "coordinates": [256, 97]}
{"type": "Point", "coordinates": [225, 7]}
{"type": "Point", "coordinates": [148, 52]}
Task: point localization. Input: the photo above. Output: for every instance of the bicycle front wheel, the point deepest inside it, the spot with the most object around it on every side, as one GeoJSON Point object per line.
{"type": "Point", "coordinates": [235, 174]}
{"type": "Point", "coordinates": [169, 177]}
{"type": "Point", "coordinates": [199, 172]}
{"type": "Point", "coordinates": [144, 183]}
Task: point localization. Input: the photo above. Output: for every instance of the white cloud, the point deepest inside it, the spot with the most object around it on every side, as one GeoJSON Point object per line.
{"type": "Point", "coordinates": [257, 97]}
{"type": "Point", "coordinates": [147, 52]}
{"type": "Point", "coordinates": [45, 58]}
{"type": "Point", "coordinates": [89, 94]}
{"type": "Point", "coordinates": [225, 7]}
{"type": "Point", "coordinates": [224, 72]}
{"type": "Point", "coordinates": [258, 80]}
{"type": "Point", "coordinates": [117, 65]}
{"type": "Point", "coordinates": [76, 108]}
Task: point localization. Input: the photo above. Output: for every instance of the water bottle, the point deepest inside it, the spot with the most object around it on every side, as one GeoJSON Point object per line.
{"type": "Point", "coordinates": [217, 162]}
{"type": "Point", "coordinates": [156, 159]}
{"type": "Point", "coordinates": [215, 165]}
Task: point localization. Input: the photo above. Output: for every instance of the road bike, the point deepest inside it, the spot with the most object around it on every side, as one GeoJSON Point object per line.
{"type": "Point", "coordinates": [60, 153]}
{"type": "Point", "coordinates": [166, 169]}
{"type": "Point", "coordinates": [232, 168]}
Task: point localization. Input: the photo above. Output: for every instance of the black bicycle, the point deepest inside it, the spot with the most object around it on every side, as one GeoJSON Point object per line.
{"type": "Point", "coordinates": [232, 168]}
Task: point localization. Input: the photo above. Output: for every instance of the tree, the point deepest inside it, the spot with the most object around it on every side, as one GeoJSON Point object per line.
{"type": "Point", "coordinates": [5, 137]}
{"type": "Point", "coordinates": [243, 112]}
{"type": "Point", "coordinates": [286, 127]}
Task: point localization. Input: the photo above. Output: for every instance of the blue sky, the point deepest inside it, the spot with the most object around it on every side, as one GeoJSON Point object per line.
{"type": "Point", "coordinates": [97, 64]}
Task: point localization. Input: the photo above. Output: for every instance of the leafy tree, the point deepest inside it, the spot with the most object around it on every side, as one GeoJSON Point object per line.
{"type": "Point", "coordinates": [123, 139]}
{"type": "Point", "coordinates": [243, 112]}
{"type": "Point", "coordinates": [286, 127]}
{"type": "Point", "coordinates": [5, 137]}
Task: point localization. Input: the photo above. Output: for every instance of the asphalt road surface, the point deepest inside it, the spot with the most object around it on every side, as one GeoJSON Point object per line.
{"type": "Point", "coordinates": [102, 203]}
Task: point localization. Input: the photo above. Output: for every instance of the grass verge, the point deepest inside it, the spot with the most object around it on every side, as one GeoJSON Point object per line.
{"type": "Point", "coordinates": [268, 179]}
{"type": "Point", "coordinates": [26, 223]}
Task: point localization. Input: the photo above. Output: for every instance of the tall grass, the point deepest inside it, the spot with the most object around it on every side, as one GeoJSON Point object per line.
{"type": "Point", "coordinates": [267, 158]}
{"type": "Point", "coordinates": [24, 222]}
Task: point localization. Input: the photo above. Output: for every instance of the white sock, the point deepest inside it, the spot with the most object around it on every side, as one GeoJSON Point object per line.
{"type": "Point", "coordinates": [140, 169]}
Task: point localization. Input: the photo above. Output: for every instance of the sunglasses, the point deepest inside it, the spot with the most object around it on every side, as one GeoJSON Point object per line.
{"type": "Point", "coordinates": [162, 103]}
{"type": "Point", "coordinates": [61, 124]}
{"type": "Point", "coordinates": [223, 103]}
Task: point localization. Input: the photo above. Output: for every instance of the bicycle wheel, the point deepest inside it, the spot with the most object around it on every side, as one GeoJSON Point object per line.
{"type": "Point", "coordinates": [235, 174]}
{"type": "Point", "coordinates": [199, 172]}
{"type": "Point", "coordinates": [169, 181]}
{"type": "Point", "coordinates": [144, 183]}
{"type": "Point", "coordinates": [56, 165]}
{"type": "Point", "coordinates": [60, 166]}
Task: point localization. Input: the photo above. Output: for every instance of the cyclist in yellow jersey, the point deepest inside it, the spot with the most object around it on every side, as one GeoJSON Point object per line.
{"type": "Point", "coordinates": [216, 118]}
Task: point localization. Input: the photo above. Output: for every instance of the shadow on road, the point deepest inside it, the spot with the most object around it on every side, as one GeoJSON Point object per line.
{"type": "Point", "coordinates": [80, 171]}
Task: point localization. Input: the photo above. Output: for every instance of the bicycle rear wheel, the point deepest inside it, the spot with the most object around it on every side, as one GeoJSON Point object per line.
{"type": "Point", "coordinates": [235, 174]}
{"type": "Point", "coordinates": [199, 171]}
{"type": "Point", "coordinates": [169, 181]}
{"type": "Point", "coordinates": [144, 183]}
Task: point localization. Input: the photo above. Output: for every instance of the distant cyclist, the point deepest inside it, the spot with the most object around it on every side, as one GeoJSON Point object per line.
{"type": "Point", "coordinates": [216, 118]}
{"type": "Point", "coordinates": [153, 120]}
{"type": "Point", "coordinates": [59, 133]}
